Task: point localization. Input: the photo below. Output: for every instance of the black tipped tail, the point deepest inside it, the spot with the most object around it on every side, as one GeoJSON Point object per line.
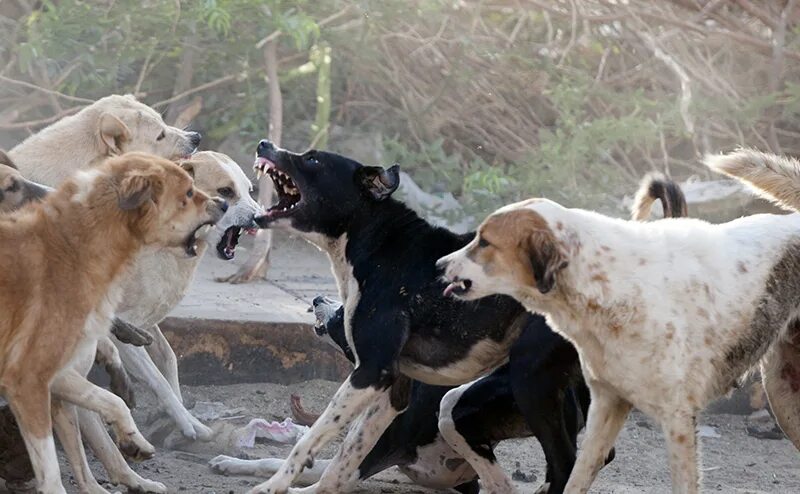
{"type": "Point", "coordinates": [656, 186]}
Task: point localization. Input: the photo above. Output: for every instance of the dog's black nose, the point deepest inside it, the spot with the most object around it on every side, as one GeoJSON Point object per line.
{"type": "Point", "coordinates": [223, 204]}
{"type": "Point", "coordinates": [318, 300]}
{"type": "Point", "coordinates": [195, 138]}
{"type": "Point", "coordinates": [265, 148]}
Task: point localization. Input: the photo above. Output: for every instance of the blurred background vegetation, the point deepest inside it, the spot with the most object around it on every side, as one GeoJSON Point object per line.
{"type": "Point", "coordinates": [491, 100]}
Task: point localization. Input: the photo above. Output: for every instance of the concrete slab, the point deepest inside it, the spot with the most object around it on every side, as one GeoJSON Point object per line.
{"type": "Point", "coordinates": [260, 331]}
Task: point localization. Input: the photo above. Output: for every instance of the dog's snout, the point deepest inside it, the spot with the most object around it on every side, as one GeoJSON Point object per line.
{"type": "Point", "coordinates": [318, 300]}
{"type": "Point", "coordinates": [265, 148]}
{"type": "Point", "coordinates": [216, 208]}
{"type": "Point", "coordinates": [194, 138]}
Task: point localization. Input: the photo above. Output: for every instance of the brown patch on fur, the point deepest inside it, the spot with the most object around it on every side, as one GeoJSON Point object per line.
{"type": "Point", "coordinates": [670, 331]}
{"type": "Point", "coordinates": [681, 438]}
{"type": "Point", "coordinates": [642, 261]}
{"type": "Point", "coordinates": [600, 277]}
{"type": "Point", "coordinates": [522, 247]}
{"type": "Point", "coordinates": [77, 243]}
{"type": "Point", "coordinates": [616, 328]}
{"type": "Point", "coordinates": [702, 313]}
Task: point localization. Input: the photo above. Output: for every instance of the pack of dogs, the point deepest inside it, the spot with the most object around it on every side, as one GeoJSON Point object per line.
{"type": "Point", "coordinates": [543, 322]}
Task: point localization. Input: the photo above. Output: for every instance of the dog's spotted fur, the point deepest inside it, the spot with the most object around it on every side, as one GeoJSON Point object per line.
{"type": "Point", "coordinates": [666, 335]}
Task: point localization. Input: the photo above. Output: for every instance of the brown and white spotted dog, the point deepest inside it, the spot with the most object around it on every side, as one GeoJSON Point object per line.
{"type": "Point", "coordinates": [666, 316]}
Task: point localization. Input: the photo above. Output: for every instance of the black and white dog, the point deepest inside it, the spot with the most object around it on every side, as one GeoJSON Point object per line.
{"type": "Point", "coordinates": [489, 410]}
{"type": "Point", "coordinates": [399, 326]}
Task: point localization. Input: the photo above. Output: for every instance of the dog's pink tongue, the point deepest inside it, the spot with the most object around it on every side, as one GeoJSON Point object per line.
{"type": "Point", "coordinates": [449, 289]}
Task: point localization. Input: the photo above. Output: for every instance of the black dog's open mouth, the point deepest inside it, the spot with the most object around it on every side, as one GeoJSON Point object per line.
{"type": "Point", "coordinates": [191, 241]}
{"type": "Point", "coordinates": [289, 196]}
{"type": "Point", "coordinates": [457, 287]}
{"type": "Point", "coordinates": [226, 247]}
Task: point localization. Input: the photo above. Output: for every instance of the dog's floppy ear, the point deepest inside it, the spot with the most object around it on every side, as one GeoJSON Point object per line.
{"type": "Point", "coordinates": [5, 160]}
{"type": "Point", "coordinates": [136, 189]}
{"type": "Point", "coordinates": [113, 132]}
{"type": "Point", "coordinates": [188, 167]}
{"type": "Point", "coordinates": [378, 182]}
{"type": "Point", "coordinates": [547, 258]}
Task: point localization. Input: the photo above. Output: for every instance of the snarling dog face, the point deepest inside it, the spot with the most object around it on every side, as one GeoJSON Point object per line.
{"type": "Point", "coordinates": [16, 190]}
{"type": "Point", "coordinates": [319, 192]}
{"type": "Point", "coordinates": [157, 198]}
{"type": "Point", "coordinates": [125, 124]}
{"type": "Point", "coordinates": [514, 248]}
{"type": "Point", "coordinates": [217, 174]}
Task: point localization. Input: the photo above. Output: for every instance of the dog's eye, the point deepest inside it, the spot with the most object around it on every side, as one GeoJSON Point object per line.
{"type": "Point", "coordinates": [190, 193]}
{"type": "Point", "coordinates": [482, 242]}
{"type": "Point", "coordinates": [13, 187]}
{"type": "Point", "coordinates": [162, 135]}
{"type": "Point", "coordinates": [312, 160]}
{"type": "Point", "coordinates": [226, 192]}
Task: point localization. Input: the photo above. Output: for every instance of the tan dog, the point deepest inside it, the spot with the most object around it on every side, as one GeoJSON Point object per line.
{"type": "Point", "coordinates": [159, 278]}
{"type": "Point", "coordinates": [59, 294]}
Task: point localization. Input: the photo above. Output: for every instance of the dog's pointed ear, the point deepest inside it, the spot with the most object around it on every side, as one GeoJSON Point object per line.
{"type": "Point", "coordinates": [136, 189]}
{"type": "Point", "coordinates": [113, 132]}
{"type": "Point", "coordinates": [188, 166]}
{"type": "Point", "coordinates": [6, 160]}
{"type": "Point", "coordinates": [547, 259]}
{"type": "Point", "coordinates": [378, 182]}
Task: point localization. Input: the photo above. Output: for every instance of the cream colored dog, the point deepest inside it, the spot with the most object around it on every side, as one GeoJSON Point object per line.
{"type": "Point", "coordinates": [159, 278]}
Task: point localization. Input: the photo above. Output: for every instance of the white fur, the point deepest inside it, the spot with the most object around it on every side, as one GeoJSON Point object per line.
{"type": "Point", "coordinates": [347, 403]}
{"type": "Point", "coordinates": [493, 478]}
{"type": "Point", "coordinates": [627, 286]}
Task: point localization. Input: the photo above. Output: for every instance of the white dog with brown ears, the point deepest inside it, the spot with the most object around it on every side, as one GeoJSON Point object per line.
{"type": "Point", "coordinates": [666, 316]}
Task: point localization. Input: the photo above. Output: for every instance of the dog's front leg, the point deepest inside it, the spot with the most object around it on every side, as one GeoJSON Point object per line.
{"type": "Point", "coordinates": [65, 422]}
{"type": "Point", "coordinates": [139, 364]}
{"type": "Point", "coordinates": [119, 473]}
{"type": "Point", "coordinates": [69, 385]}
{"type": "Point", "coordinates": [343, 472]}
{"type": "Point", "coordinates": [607, 414]}
{"type": "Point", "coordinates": [347, 404]}
{"type": "Point", "coordinates": [679, 431]}
{"type": "Point", "coordinates": [164, 357]}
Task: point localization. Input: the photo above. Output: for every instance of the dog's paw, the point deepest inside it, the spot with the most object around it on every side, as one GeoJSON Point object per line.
{"type": "Point", "coordinates": [226, 465]}
{"type": "Point", "coordinates": [136, 447]}
{"type": "Point", "coordinates": [136, 483]}
{"type": "Point", "coordinates": [148, 487]}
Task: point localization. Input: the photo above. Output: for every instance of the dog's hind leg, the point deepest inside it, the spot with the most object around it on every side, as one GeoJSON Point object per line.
{"type": "Point", "coordinates": [463, 416]}
{"type": "Point", "coordinates": [607, 415]}
{"type": "Point", "coordinates": [265, 467]}
{"type": "Point", "coordinates": [119, 473]}
{"type": "Point", "coordinates": [780, 372]}
{"type": "Point", "coordinates": [65, 422]}
{"type": "Point", "coordinates": [679, 431]}
{"type": "Point", "coordinates": [69, 385]}
{"type": "Point", "coordinates": [141, 367]}
{"type": "Point", "coordinates": [29, 400]}
{"type": "Point", "coordinates": [164, 357]}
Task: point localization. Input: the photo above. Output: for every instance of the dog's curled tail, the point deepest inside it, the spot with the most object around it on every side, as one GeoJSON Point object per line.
{"type": "Point", "coordinates": [774, 177]}
{"type": "Point", "coordinates": [656, 186]}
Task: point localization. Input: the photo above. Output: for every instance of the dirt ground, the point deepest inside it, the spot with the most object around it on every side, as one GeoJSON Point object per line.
{"type": "Point", "coordinates": [734, 462]}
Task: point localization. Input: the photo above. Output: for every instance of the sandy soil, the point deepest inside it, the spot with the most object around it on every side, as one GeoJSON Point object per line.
{"type": "Point", "coordinates": [734, 462]}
